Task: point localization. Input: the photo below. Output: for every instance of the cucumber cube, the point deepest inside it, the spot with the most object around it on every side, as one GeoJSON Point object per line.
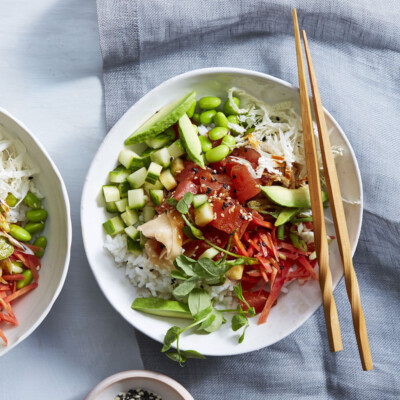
{"type": "Point", "coordinates": [203, 215]}
{"type": "Point", "coordinates": [121, 205]}
{"type": "Point", "coordinates": [150, 186]}
{"type": "Point", "coordinates": [111, 193]}
{"type": "Point", "coordinates": [130, 217]}
{"type": "Point", "coordinates": [114, 226]}
{"type": "Point", "coordinates": [177, 166]}
{"type": "Point", "coordinates": [156, 196]}
{"type": "Point", "coordinates": [137, 178]}
{"type": "Point", "coordinates": [129, 159]}
{"type": "Point", "coordinates": [199, 200]}
{"type": "Point", "coordinates": [148, 213]}
{"type": "Point", "coordinates": [118, 175]}
{"type": "Point", "coordinates": [153, 173]}
{"type": "Point", "coordinates": [136, 198]}
{"type": "Point", "coordinates": [134, 247]}
{"type": "Point", "coordinates": [168, 180]}
{"type": "Point", "coordinates": [210, 253]}
{"type": "Point", "coordinates": [161, 157]}
{"type": "Point", "coordinates": [111, 207]}
{"type": "Point", "coordinates": [132, 232]}
{"type": "Point", "coordinates": [123, 189]}
{"type": "Point", "coordinates": [176, 149]}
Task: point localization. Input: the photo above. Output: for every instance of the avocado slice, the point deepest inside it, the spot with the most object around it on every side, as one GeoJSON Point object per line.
{"type": "Point", "coordinates": [161, 307]}
{"type": "Point", "coordinates": [162, 119]}
{"type": "Point", "coordinates": [286, 215]}
{"type": "Point", "coordinates": [299, 198]}
{"type": "Point", "coordinates": [190, 140]}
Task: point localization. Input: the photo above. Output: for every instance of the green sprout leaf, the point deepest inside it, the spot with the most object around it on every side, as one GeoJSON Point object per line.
{"type": "Point", "coordinates": [170, 337]}
{"type": "Point", "coordinates": [184, 203]}
{"type": "Point", "coordinates": [185, 287]}
{"type": "Point", "coordinates": [198, 300]}
{"type": "Point", "coordinates": [238, 321]}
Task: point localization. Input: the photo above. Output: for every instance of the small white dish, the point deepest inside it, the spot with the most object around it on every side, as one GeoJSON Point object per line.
{"type": "Point", "coordinates": [31, 309]}
{"type": "Point", "coordinates": [293, 308]}
{"type": "Point", "coordinates": [162, 385]}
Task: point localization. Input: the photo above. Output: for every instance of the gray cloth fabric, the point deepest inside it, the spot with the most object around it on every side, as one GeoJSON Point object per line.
{"type": "Point", "coordinates": [356, 52]}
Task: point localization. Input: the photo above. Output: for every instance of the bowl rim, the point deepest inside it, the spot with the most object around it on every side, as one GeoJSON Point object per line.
{"type": "Point", "coordinates": [69, 232]}
{"type": "Point", "coordinates": [244, 72]}
{"type": "Point", "coordinates": [138, 373]}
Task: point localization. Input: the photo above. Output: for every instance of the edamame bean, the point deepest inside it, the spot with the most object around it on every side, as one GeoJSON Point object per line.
{"type": "Point", "coordinates": [205, 144]}
{"type": "Point", "coordinates": [233, 119]}
{"type": "Point", "coordinates": [27, 279]}
{"type": "Point", "coordinates": [229, 140]}
{"type": "Point", "coordinates": [32, 201]}
{"type": "Point", "coordinates": [190, 112]}
{"type": "Point", "coordinates": [210, 102]}
{"type": "Point", "coordinates": [196, 118]}
{"type": "Point", "coordinates": [220, 119]}
{"type": "Point", "coordinates": [34, 227]}
{"type": "Point", "coordinates": [228, 110]}
{"type": "Point", "coordinates": [217, 153]}
{"type": "Point", "coordinates": [206, 117]}
{"type": "Point", "coordinates": [41, 241]}
{"type": "Point", "coordinates": [218, 133]}
{"type": "Point", "coordinates": [36, 215]}
{"type": "Point", "coordinates": [20, 233]}
{"type": "Point", "coordinates": [11, 200]}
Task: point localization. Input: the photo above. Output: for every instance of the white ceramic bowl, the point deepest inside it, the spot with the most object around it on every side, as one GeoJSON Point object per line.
{"type": "Point", "coordinates": [33, 308]}
{"type": "Point", "coordinates": [294, 308]}
{"type": "Point", "coordinates": [162, 385]}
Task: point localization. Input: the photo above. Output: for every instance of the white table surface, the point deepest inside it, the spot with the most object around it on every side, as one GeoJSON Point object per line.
{"type": "Point", "coordinates": [50, 78]}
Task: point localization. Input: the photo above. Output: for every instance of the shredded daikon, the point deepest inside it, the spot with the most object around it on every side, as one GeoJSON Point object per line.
{"type": "Point", "coordinates": [16, 171]}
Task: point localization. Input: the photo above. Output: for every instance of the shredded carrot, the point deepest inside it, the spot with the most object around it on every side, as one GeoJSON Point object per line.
{"type": "Point", "coordinates": [8, 318]}
{"type": "Point", "coordinates": [306, 264]}
{"type": "Point", "coordinates": [263, 223]}
{"type": "Point", "coordinates": [3, 337]}
{"type": "Point", "coordinates": [240, 245]}
{"type": "Point", "coordinates": [21, 292]}
{"type": "Point", "coordinates": [15, 277]}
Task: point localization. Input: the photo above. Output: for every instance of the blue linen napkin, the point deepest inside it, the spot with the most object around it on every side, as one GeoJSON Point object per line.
{"type": "Point", "coordinates": [356, 53]}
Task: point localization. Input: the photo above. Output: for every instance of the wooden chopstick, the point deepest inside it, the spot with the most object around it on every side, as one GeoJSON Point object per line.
{"type": "Point", "coordinates": [353, 291]}
{"type": "Point", "coordinates": [320, 236]}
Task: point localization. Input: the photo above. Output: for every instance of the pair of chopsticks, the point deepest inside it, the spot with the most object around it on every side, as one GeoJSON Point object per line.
{"type": "Point", "coordinates": [321, 243]}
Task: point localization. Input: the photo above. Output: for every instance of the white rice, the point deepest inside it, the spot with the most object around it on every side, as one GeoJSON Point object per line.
{"type": "Point", "coordinates": [153, 281]}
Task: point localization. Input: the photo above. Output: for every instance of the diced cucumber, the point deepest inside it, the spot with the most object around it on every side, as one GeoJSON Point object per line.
{"type": "Point", "coordinates": [111, 207]}
{"type": "Point", "coordinates": [148, 213]}
{"type": "Point", "coordinates": [148, 152]}
{"type": "Point", "coordinates": [152, 186]}
{"type": "Point", "coordinates": [114, 226]}
{"type": "Point", "coordinates": [161, 157]}
{"type": "Point", "coordinates": [118, 175]}
{"type": "Point", "coordinates": [137, 148]}
{"type": "Point", "coordinates": [156, 196]}
{"type": "Point", "coordinates": [137, 178]}
{"type": "Point", "coordinates": [176, 149]}
{"type": "Point", "coordinates": [177, 166]}
{"type": "Point", "coordinates": [153, 173]}
{"type": "Point", "coordinates": [203, 215]}
{"type": "Point", "coordinates": [123, 189]}
{"type": "Point", "coordinates": [121, 205]}
{"type": "Point", "coordinates": [111, 193]}
{"type": "Point", "coordinates": [168, 180]}
{"type": "Point", "coordinates": [129, 159]}
{"type": "Point", "coordinates": [136, 198]}
{"type": "Point", "coordinates": [134, 246]}
{"type": "Point", "coordinates": [162, 139]}
{"type": "Point", "coordinates": [210, 253]}
{"type": "Point", "coordinates": [132, 232]}
{"type": "Point", "coordinates": [199, 200]}
{"type": "Point", "coordinates": [130, 217]}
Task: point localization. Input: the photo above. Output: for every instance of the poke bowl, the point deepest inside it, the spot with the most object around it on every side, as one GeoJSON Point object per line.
{"type": "Point", "coordinates": [239, 112]}
{"type": "Point", "coordinates": [35, 232]}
